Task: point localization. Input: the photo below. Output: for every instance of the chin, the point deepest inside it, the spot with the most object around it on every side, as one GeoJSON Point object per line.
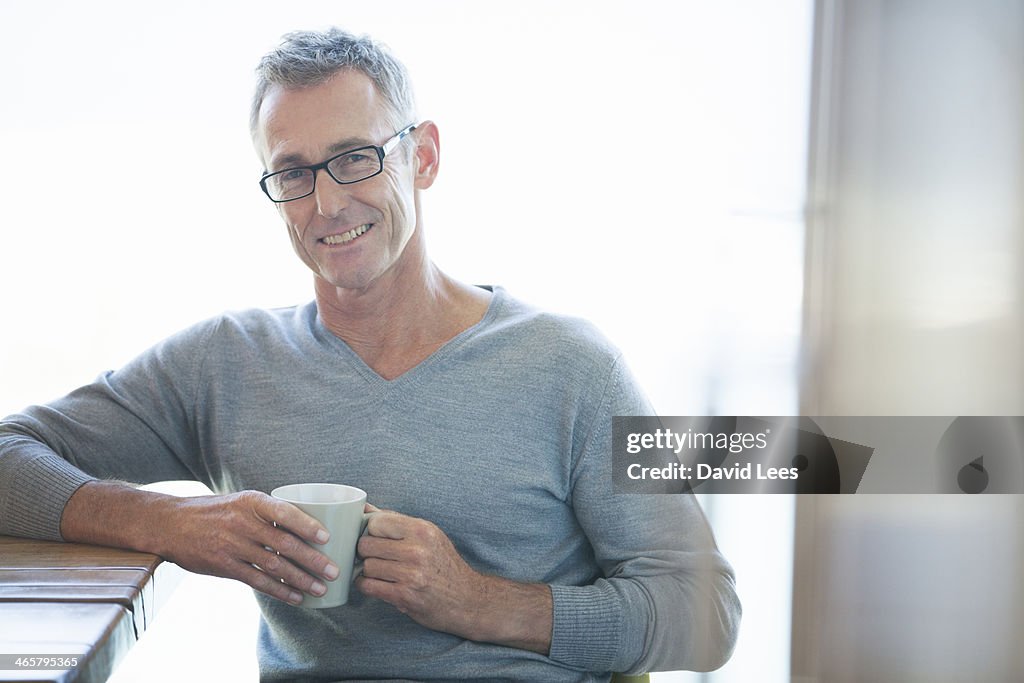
{"type": "Point", "coordinates": [360, 281]}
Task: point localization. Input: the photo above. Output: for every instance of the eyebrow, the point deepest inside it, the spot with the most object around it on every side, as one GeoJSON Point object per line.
{"type": "Point", "coordinates": [293, 160]}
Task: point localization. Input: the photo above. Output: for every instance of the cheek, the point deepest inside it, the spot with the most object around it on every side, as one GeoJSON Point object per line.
{"type": "Point", "coordinates": [296, 223]}
{"type": "Point", "coordinates": [292, 219]}
{"type": "Point", "coordinates": [402, 204]}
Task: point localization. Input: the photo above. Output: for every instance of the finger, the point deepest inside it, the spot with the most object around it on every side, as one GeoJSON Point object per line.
{"type": "Point", "coordinates": [266, 584]}
{"type": "Point", "coordinates": [391, 593]}
{"type": "Point", "coordinates": [385, 570]}
{"type": "Point", "coordinates": [377, 588]}
{"type": "Point", "coordinates": [386, 549]}
{"type": "Point", "coordinates": [280, 568]}
{"type": "Point", "coordinates": [370, 507]}
{"type": "Point", "coordinates": [294, 549]}
{"type": "Point", "coordinates": [390, 525]}
{"type": "Point", "coordinates": [283, 514]}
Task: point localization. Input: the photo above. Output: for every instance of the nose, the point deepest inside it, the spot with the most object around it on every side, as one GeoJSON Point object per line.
{"type": "Point", "coordinates": [331, 197]}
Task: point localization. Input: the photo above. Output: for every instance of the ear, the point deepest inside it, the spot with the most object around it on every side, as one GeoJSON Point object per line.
{"type": "Point", "coordinates": [427, 155]}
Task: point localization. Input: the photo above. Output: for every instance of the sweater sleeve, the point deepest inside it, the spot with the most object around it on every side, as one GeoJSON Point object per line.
{"type": "Point", "coordinates": [135, 424]}
{"type": "Point", "coordinates": [667, 598]}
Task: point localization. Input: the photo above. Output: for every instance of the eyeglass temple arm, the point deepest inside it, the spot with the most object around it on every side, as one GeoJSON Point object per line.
{"type": "Point", "coordinates": [393, 142]}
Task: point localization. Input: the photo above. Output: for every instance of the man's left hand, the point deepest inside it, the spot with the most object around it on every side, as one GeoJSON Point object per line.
{"type": "Point", "coordinates": [413, 565]}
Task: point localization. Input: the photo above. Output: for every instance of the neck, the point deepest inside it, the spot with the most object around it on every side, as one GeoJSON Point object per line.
{"type": "Point", "coordinates": [402, 317]}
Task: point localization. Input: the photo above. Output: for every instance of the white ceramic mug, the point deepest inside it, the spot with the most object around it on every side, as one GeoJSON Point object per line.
{"type": "Point", "coordinates": [339, 508]}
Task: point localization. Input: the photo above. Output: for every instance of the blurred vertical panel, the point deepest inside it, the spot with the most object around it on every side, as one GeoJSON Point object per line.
{"type": "Point", "coordinates": [914, 283]}
{"type": "Point", "coordinates": [907, 588]}
{"type": "Point", "coordinates": [913, 306]}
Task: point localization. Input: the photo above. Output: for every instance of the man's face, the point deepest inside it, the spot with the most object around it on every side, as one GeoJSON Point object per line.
{"type": "Point", "coordinates": [299, 127]}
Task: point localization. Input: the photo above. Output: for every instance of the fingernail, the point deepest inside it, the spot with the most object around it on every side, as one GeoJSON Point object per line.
{"type": "Point", "coordinates": [317, 588]}
{"type": "Point", "coordinates": [331, 572]}
{"type": "Point", "coordinates": [322, 536]}
{"type": "Point", "coordinates": [295, 598]}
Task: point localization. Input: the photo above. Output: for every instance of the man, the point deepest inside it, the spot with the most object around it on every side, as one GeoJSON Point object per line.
{"type": "Point", "coordinates": [480, 426]}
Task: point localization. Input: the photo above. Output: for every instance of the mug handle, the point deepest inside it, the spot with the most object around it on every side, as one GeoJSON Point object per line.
{"type": "Point", "coordinates": [357, 567]}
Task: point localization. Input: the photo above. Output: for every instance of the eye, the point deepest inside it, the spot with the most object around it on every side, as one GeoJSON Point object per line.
{"type": "Point", "coordinates": [351, 167]}
{"type": "Point", "coordinates": [355, 158]}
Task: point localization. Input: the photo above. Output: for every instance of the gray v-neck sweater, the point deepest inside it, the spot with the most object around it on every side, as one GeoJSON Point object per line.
{"type": "Point", "coordinates": [502, 438]}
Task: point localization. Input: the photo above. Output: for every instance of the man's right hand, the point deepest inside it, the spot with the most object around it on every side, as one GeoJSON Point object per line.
{"type": "Point", "coordinates": [248, 536]}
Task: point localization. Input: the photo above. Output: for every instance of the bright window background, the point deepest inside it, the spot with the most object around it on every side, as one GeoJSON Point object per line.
{"type": "Point", "coordinates": [640, 164]}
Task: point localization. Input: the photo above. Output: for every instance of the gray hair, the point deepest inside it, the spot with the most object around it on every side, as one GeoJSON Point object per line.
{"type": "Point", "coordinates": [308, 58]}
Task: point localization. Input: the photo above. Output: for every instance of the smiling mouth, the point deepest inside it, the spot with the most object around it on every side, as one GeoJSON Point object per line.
{"type": "Point", "coordinates": [344, 237]}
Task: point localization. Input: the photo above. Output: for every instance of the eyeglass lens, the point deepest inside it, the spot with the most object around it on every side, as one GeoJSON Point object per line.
{"type": "Point", "coordinates": [349, 167]}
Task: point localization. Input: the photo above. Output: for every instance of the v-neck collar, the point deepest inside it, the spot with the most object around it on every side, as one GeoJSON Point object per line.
{"type": "Point", "coordinates": [327, 337]}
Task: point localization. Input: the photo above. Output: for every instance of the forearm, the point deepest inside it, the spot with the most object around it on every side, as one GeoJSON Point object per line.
{"type": "Point", "coordinates": [513, 614]}
{"type": "Point", "coordinates": [116, 514]}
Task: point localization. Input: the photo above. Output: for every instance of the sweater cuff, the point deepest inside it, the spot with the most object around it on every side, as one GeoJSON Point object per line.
{"type": "Point", "coordinates": [26, 511]}
{"type": "Point", "coordinates": [587, 628]}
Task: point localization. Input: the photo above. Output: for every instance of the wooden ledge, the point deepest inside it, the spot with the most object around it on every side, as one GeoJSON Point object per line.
{"type": "Point", "coordinates": [66, 598]}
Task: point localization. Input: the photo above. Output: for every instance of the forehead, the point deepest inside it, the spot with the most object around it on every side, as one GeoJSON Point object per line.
{"type": "Point", "coordinates": [306, 123]}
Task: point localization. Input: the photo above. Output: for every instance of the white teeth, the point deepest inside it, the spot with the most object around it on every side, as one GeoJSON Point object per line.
{"type": "Point", "coordinates": [347, 236]}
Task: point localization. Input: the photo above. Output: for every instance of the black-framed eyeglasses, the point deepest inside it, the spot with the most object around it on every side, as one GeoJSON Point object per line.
{"type": "Point", "coordinates": [349, 167]}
